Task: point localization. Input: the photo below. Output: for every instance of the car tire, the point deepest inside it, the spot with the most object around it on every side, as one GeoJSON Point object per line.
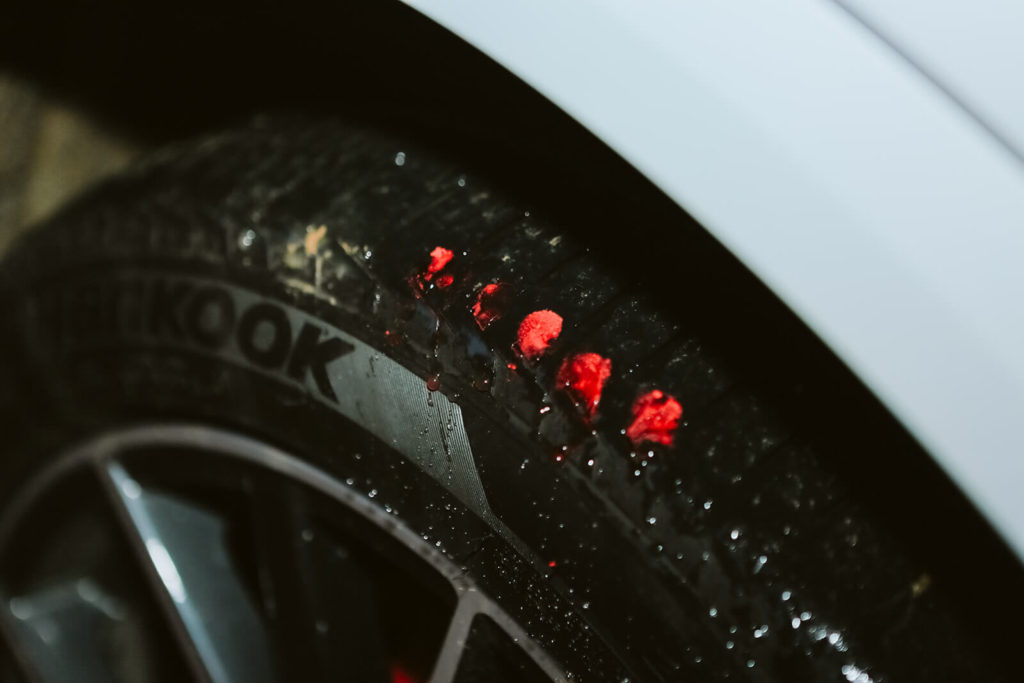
{"type": "Point", "coordinates": [596, 460]}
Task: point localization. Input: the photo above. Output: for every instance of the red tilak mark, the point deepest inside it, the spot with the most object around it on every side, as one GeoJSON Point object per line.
{"type": "Point", "coordinates": [655, 418]}
{"type": "Point", "coordinates": [400, 675]}
{"type": "Point", "coordinates": [583, 376]}
{"type": "Point", "coordinates": [439, 258]}
{"type": "Point", "coordinates": [487, 308]}
{"type": "Point", "coordinates": [537, 331]}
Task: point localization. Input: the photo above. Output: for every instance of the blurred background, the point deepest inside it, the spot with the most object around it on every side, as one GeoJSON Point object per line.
{"type": "Point", "coordinates": [49, 151]}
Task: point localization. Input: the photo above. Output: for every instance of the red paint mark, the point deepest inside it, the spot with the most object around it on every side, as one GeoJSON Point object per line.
{"type": "Point", "coordinates": [583, 376]}
{"type": "Point", "coordinates": [655, 418]}
{"type": "Point", "coordinates": [399, 674]}
{"type": "Point", "coordinates": [489, 302]}
{"type": "Point", "coordinates": [439, 258]}
{"type": "Point", "coordinates": [537, 331]}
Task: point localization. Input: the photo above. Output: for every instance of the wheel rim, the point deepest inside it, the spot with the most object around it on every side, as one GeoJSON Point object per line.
{"type": "Point", "coordinates": [238, 562]}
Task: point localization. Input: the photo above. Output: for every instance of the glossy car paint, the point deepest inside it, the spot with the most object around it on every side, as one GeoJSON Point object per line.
{"type": "Point", "coordinates": [972, 50]}
{"type": "Point", "coordinates": [875, 197]}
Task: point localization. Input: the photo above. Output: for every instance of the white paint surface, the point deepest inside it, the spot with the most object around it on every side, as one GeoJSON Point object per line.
{"type": "Point", "coordinates": [974, 49]}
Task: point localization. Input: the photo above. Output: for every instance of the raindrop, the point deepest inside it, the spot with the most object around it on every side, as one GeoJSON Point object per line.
{"type": "Point", "coordinates": [307, 535]}
{"type": "Point", "coordinates": [321, 626]}
{"type": "Point", "coordinates": [434, 382]}
{"type": "Point", "coordinates": [20, 609]}
{"type": "Point", "coordinates": [372, 493]}
{"type": "Point", "coordinates": [400, 159]}
{"type": "Point", "coordinates": [734, 534]}
{"type": "Point", "coordinates": [131, 489]}
{"type": "Point", "coordinates": [795, 623]}
{"type": "Point", "coordinates": [855, 674]}
{"type": "Point", "coordinates": [707, 504]}
{"type": "Point", "coordinates": [652, 520]}
{"type": "Point", "coordinates": [786, 595]}
{"type": "Point", "coordinates": [87, 590]}
{"type": "Point", "coordinates": [247, 238]}
{"type": "Point", "coordinates": [713, 611]}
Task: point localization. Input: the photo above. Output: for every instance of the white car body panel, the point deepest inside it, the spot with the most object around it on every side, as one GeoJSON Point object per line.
{"type": "Point", "coordinates": [885, 214]}
{"type": "Point", "coordinates": [974, 50]}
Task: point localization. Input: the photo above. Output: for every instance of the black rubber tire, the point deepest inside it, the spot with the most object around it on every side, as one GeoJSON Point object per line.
{"type": "Point", "coordinates": [741, 551]}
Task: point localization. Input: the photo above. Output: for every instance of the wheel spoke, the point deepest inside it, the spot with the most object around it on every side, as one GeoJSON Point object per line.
{"type": "Point", "coordinates": [159, 571]}
{"type": "Point", "coordinates": [454, 644]}
{"type": "Point", "coordinates": [321, 604]}
{"type": "Point", "coordinates": [277, 521]}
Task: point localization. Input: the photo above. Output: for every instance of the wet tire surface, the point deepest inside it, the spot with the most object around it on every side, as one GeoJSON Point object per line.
{"type": "Point", "coordinates": [785, 529]}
